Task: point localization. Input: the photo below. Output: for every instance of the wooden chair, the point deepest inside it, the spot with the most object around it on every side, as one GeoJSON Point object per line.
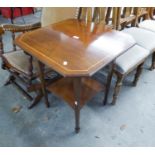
{"type": "Point", "coordinates": [23, 68]}
{"type": "Point", "coordinates": [146, 19]}
{"type": "Point", "coordinates": [152, 13]}
{"type": "Point", "coordinates": [132, 59]}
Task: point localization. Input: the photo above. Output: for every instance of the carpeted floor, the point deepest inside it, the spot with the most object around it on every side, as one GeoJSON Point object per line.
{"type": "Point", "coordinates": [131, 122]}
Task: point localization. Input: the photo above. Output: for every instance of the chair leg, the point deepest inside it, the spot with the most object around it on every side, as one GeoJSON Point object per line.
{"type": "Point", "coordinates": [153, 62]}
{"type": "Point", "coordinates": [12, 80]}
{"type": "Point", "coordinates": [9, 80]}
{"type": "Point", "coordinates": [29, 97]}
{"type": "Point", "coordinates": [118, 85]}
{"type": "Point", "coordinates": [36, 100]}
{"type": "Point", "coordinates": [138, 73]}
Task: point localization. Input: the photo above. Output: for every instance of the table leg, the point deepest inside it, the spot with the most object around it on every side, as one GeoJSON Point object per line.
{"type": "Point", "coordinates": [77, 91]}
{"type": "Point", "coordinates": [108, 83]}
{"type": "Point", "coordinates": [43, 84]}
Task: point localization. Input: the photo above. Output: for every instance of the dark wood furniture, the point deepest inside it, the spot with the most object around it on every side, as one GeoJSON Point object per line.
{"type": "Point", "coordinates": [76, 50]}
{"type": "Point", "coordinates": [152, 13]}
{"type": "Point", "coordinates": [23, 68]}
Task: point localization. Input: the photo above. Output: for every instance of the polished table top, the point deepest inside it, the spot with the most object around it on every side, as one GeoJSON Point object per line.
{"type": "Point", "coordinates": [75, 48]}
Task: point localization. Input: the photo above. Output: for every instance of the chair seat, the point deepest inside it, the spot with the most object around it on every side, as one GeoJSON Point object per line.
{"type": "Point", "coordinates": [130, 59]}
{"type": "Point", "coordinates": [143, 37]}
{"type": "Point", "coordinates": [148, 25]}
{"type": "Point", "coordinates": [19, 60]}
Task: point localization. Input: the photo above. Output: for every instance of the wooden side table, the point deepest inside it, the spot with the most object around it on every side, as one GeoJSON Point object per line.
{"type": "Point", "coordinates": [76, 50]}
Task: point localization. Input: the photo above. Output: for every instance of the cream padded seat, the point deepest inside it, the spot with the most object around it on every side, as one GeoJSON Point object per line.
{"type": "Point", "coordinates": [132, 57]}
{"type": "Point", "coordinates": [52, 15]}
{"type": "Point", "coordinates": [22, 63]}
{"type": "Point", "coordinates": [143, 37]}
{"type": "Point", "coordinates": [148, 25]}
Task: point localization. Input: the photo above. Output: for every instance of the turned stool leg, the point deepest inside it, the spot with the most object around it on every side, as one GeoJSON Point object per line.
{"type": "Point", "coordinates": [138, 73]}
{"type": "Point", "coordinates": [117, 88]}
{"type": "Point", "coordinates": [109, 79]}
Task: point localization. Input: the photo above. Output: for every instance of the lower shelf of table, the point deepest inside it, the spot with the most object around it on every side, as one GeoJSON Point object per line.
{"type": "Point", "coordinates": [65, 90]}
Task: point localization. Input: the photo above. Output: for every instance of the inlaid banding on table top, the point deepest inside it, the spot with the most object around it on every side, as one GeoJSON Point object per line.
{"type": "Point", "coordinates": [83, 55]}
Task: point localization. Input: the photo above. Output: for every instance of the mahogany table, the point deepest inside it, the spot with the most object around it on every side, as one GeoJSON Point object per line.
{"type": "Point", "coordinates": [76, 50]}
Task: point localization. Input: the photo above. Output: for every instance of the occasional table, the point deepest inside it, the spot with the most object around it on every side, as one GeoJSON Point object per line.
{"type": "Point", "coordinates": [76, 50]}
